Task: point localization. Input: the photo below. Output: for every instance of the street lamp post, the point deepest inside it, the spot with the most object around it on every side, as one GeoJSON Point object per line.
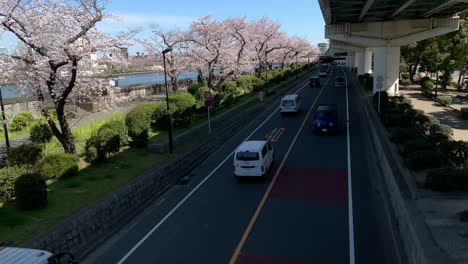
{"type": "Point", "coordinates": [171, 143]}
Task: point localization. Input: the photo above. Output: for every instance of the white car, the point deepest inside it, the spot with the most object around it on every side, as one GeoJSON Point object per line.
{"type": "Point", "coordinates": [12, 255]}
{"type": "Point", "coordinates": [290, 104]}
{"type": "Point", "coordinates": [253, 158]}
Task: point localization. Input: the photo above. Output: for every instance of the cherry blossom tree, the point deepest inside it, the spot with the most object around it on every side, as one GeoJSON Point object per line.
{"type": "Point", "coordinates": [177, 61]}
{"type": "Point", "coordinates": [58, 43]}
{"type": "Point", "coordinates": [265, 38]}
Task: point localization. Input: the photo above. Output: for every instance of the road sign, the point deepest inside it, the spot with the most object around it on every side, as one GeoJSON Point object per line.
{"type": "Point", "coordinates": [207, 95]}
{"type": "Point", "coordinates": [208, 103]}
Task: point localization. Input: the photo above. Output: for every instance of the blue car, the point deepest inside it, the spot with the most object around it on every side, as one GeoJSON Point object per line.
{"type": "Point", "coordinates": [325, 119]}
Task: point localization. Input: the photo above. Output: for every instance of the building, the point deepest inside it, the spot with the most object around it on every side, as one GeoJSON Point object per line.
{"type": "Point", "coordinates": [323, 47]}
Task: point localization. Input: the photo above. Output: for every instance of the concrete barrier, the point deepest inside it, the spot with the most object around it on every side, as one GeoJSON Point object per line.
{"type": "Point", "coordinates": [419, 245]}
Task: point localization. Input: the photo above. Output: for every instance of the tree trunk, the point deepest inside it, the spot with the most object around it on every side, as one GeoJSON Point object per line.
{"type": "Point", "coordinates": [200, 77]}
{"type": "Point", "coordinates": [460, 78]}
{"type": "Point", "coordinates": [446, 80]}
{"type": "Point", "coordinates": [175, 86]}
{"type": "Point", "coordinates": [67, 139]}
{"type": "Point", "coordinates": [210, 79]}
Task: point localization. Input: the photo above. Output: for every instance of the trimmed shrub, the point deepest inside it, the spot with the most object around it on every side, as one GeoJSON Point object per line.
{"type": "Point", "coordinates": [405, 75]}
{"type": "Point", "coordinates": [385, 101]}
{"type": "Point", "coordinates": [229, 87]}
{"type": "Point", "coordinates": [395, 118]}
{"type": "Point", "coordinates": [399, 135]}
{"type": "Point", "coordinates": [426, 87]}
{"type": "Point", "coordinates": [405, 82]}
{"type": "Point", "coordinates": [197, 90]}
{"type": "Point", "coordinates": [424, 159]}
{"type": "Point", "coordinates": [25, 154]}
{"type": "Point", "coordinates": [183, 118]}
{"type": "Point", "coordinates": [182, 100]}
{"type": "Point", "coordinates": [57, 166]}
{"type": "Point", "coordinates": [416, 145]}
{"type": "Point", "coordinates": [247, 82]}
{"type": "Point", "coordinates": [93, 150]}
{"type": "Point", "coordinates": [444, 100]}
{"type": "Point", "coordinates": [457, 151]}
{"type": "Point", "coordinates": [8, 176]}
{"type": "Point", "coordinates": [138, 121]}
{"type": "Point", "coordinates": [20, 121]}
{"type": "Point", "coordinates": [31, 191]}
{"type": "Point", "coordinates": [404, 106]}
{"type": "Point", "coordinates": [447, 179]}
{"type": "Point", "coordinates": [114, 129]}
{"type": "Point", "coordinates": [41, 133]}
{"type": "Point", "coordinates": [464, 112]}
{"type": "Point", "coordinates": [440, 133]}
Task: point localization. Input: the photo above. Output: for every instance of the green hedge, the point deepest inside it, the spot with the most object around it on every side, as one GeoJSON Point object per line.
{"type": "Point", "coordinates": [440, 133]}
{"type": "Point", "coordinates": [41, 133]}
{"type": "Point", "coordinates": [464, 112]}
{"type": "Point", "coordinates": [417, 144]}
{"type": "Point", "coordinates": [31, 191]}
{"type": "Point", "coordinates": [8, 176]}
{"type": "Point", "coordinates": [424, 159]}
{"type": "Point", "coordinates": [456, 151]}
{"type": "Point", "coordinates": [20, 121]}
{"type": "Point", "coordinates": [444, 100]}
{"type": "Point", "coordinates": [426, 87]}
{"type": "Point", "coordinates": [399, 135]}
{"type": "Point", "coordinates": [447, 179]}
{"type": "Point", "coordinates": [138, 121]}
{"type": "Point", "coordinates": [57, 166]}
{"type": "Point", "coordinates": [247, 82]}
{"type": "Point", "coordinates": [25, 154]}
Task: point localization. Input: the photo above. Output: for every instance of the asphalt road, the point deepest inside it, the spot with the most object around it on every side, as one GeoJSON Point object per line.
{"type": "Point", "coordinates": [319, 204]}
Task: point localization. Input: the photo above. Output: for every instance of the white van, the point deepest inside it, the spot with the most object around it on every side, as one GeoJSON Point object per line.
{"type": "Point", "coordinates": [253, 158]}
{"type": "Point", "coordinates": [290, 103]}
{"type": "Point", "coordinates": [12, 255]}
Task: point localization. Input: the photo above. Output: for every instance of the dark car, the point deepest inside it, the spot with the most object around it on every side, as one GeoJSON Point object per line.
{"type": "Point", "coordinates": [325, 119]}
{"type": "Point", "coordinates": [314, 82]}
{"type": "Point", "coordinates": [340, 82]}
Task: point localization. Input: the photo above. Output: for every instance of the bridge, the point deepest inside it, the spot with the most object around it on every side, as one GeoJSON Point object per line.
{"type": "Point", "coordinates": [378, 28]}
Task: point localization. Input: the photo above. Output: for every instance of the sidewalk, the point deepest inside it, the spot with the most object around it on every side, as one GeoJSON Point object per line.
{"type": "Point", "coordinates": [446, 115]}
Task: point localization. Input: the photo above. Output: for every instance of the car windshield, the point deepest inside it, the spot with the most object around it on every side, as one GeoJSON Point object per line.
{"type": "Point", "coordinates": [247, 156]}
{"type": "Point", "coordinates": [325, 114]}
{"type": "Point", "coordinates": [339, 79]}
{"type": "Point", "coordinates": [288, 103]}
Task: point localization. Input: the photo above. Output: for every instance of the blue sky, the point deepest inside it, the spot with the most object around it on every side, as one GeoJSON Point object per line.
{"type": "Point", "coordinates": [298, 17]}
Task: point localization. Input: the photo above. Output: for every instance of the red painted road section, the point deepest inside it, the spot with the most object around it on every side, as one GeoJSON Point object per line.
{"type": "Point", "coordinates": [251, 258]}
{"type": "Point", "coordinates": [311, 184]}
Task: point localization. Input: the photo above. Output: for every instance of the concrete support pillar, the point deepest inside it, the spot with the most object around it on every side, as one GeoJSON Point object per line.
{"type": "Point", "coordinates": [386, 69]}
{"type": "Point", "coordinates": [360, 61]}
{"type": "Point", "coordinates": [349, 61]}
{"type": "Point", "coordinates": [367, 61]}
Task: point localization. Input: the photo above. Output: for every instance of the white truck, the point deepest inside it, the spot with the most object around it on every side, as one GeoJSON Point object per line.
{"type": "Point", "coordinates": [13, 255]}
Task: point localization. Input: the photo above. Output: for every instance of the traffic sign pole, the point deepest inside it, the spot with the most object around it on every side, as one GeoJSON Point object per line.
{"type": "Point", "coordinates": [209, 121]}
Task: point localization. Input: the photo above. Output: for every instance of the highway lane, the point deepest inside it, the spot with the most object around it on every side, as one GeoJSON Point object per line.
{"type": "Point", "coordinates": [304, 219]}
{"type": "Point", "coordinates": [215, 215]}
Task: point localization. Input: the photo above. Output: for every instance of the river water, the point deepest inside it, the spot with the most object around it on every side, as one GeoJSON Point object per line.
{"type": "Point", "coordinates": [10, 91]}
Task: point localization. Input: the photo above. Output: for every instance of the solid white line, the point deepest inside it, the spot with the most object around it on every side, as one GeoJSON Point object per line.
{"type": "Point", "coordinates": [124, 258]}
{"type": "Point", "coordinates": [350, 185]}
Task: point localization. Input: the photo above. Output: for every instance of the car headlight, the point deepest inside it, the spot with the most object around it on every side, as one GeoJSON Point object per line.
{"type": "Point", "coordinates": [318, 124]}
{"type": "Point", "coordinates": [331, 124]}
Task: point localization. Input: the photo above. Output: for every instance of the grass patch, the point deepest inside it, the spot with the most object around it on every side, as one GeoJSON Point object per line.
{"type": "Point", "coordinates": [71, 194]}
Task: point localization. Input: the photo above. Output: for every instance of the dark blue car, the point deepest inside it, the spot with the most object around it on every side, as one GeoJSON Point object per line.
{"type": "Point", "coordinates": [325, 119]}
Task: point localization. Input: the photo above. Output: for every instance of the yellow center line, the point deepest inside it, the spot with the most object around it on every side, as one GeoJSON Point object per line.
{"type": "Point", "coordinates": [278, 134]}
{"type": "Point", "coordinates": [267, 193]}
{"type": "Point", "coordinates": [271, 134]}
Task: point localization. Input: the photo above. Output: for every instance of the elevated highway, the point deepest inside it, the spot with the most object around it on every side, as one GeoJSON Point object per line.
{"type": "Point", "coordinates": [378, 28]}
